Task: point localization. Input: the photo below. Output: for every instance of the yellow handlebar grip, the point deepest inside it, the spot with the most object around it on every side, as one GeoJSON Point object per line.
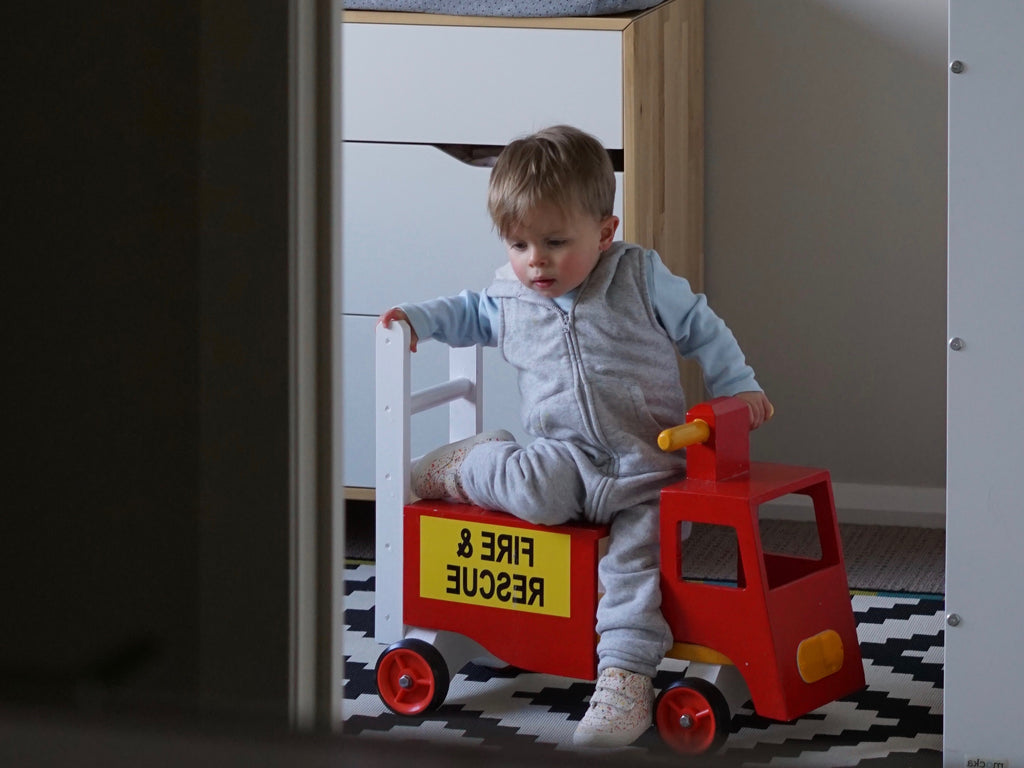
{"type": "Point", "coordinates": [674, 438]}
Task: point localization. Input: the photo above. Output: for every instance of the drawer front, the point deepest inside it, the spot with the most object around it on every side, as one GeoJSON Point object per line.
{"type": "Point", "coordinates": [415, 226]}
{"type": "Point", "coordinates": [478, 85]}
{"type": "Point", "coordinates": [430, 428]}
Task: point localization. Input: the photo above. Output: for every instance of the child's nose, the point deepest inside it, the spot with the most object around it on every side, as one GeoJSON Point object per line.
{"type": "Point", "coordinates": [537, 257]}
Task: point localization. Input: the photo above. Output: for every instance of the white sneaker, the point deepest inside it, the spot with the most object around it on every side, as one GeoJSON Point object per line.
{"type": "Point", "coordinates": [437, 475]}
{"type": "Point", "coordinates": [620, 710]}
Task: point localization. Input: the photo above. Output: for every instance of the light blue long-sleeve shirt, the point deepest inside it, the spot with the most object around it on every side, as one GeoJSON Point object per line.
{"type": "Point", "coordinates": [472, 317]}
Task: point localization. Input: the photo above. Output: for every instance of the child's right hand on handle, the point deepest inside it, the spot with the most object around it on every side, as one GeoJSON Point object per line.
{"type": "Point", "coordinates": [761, 408]}
{"type": "Point", "coordinates": [396, 314]}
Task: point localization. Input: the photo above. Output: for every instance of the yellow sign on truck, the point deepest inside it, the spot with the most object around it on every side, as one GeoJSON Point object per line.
{"type": "Point", "coordinates": [497, 566]}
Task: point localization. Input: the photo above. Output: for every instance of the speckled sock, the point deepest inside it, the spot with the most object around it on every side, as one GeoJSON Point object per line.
{"type": "Point", "coordinates": [437, 476]}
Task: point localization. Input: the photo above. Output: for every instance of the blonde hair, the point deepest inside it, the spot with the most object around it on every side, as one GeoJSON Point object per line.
{"type": "Point", "coordinates": [560, 165]}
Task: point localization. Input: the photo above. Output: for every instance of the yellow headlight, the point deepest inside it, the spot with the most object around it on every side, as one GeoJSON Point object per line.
{"type": "Point", "coordinates": [819, 656]}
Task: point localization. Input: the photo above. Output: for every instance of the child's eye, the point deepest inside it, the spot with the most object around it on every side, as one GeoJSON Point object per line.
{"type": "Point", "coordinates": [517, 246]}
{"type": "Point", "coordinates": [557, 243]}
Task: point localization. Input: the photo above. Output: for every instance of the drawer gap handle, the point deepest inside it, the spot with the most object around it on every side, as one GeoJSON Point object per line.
{"type": "Point", "coordinates": [477, 155]}
{"type": "Point", "coordinates": [485, 155]}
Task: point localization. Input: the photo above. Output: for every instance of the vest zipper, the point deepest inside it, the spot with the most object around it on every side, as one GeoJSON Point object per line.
{"type": "Point", "coordinates": [584, 398]}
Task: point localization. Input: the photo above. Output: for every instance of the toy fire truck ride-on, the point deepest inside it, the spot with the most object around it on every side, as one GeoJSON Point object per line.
{"type": "Point", "coordinates": [457, 583]}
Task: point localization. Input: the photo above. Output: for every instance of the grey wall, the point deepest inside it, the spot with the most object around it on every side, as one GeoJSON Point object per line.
{"type": "Point", "coordinates": [826, 229]}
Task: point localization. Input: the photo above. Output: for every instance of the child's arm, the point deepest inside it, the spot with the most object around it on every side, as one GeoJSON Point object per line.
{"type": "Point", "coordinates": [459, 321]}
{"type": "Point", "coordinates": [702, 335]}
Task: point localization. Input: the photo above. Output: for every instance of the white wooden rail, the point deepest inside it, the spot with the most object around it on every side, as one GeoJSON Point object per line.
{"type": "Point", "coordinates": [395, 404]}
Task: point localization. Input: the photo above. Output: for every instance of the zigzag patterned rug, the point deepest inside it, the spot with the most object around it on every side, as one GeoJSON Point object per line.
{"type": "Point", "coordinates": [896, 720]}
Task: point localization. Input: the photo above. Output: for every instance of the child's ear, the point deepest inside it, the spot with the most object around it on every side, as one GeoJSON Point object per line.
{"type": "Point", "coordinates": [608, 227]}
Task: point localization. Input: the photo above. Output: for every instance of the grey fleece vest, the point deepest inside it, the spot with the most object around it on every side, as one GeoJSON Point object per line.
{"type": "Point", "coordinates": [604, 374]}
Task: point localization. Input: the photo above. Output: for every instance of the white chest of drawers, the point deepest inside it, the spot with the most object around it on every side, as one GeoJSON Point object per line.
{"type": "Point", "coordinates": [418, 88]}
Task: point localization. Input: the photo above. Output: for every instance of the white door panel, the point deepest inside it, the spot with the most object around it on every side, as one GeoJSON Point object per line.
{"type": "Point", "coordinates": [984, 678]}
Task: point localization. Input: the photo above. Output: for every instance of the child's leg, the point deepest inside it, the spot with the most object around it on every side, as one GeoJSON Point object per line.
{"type": "Point", "coordinates": [540, 483]}
{"type": "Point", "coordinates": [633, 634]}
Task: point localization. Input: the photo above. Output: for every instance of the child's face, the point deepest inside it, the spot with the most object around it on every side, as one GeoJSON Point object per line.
{"type": "Point", "coordinates": [553, 251]}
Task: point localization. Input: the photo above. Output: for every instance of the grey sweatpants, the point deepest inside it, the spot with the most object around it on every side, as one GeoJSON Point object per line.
{"type": "Point", "coordinates": [550, 482]}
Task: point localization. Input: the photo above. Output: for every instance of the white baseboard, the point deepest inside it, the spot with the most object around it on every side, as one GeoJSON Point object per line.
{"type": "Point", "coordinates": [862, 504]}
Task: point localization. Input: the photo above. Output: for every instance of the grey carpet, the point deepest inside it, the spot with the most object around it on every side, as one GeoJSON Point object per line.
{"type": "Point", "coordinates": [884, 558]}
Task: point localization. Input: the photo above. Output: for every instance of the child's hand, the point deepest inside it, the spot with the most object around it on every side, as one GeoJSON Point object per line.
{"type": "Point", "coordinates": [761, 408]}
{"type": "Point", "coordinates": [396, 314]}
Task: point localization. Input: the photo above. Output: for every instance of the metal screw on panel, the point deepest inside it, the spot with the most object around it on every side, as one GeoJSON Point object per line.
{"type": "Point", "coordinates": [957, 344]}
{"type": "Point", "coordinates": [953, 619]}
{"type": "Point", "coordinates": [956, 67]}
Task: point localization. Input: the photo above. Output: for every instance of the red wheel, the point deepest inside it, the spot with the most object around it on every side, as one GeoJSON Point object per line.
{"type": "Point", "coordinates": [692, 716]}
{"type": "Point", "coordinates": [412, 677]}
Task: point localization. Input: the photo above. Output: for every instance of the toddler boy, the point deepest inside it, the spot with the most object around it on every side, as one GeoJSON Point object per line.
{"type": "Point", "coordinates": [592, 327]}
